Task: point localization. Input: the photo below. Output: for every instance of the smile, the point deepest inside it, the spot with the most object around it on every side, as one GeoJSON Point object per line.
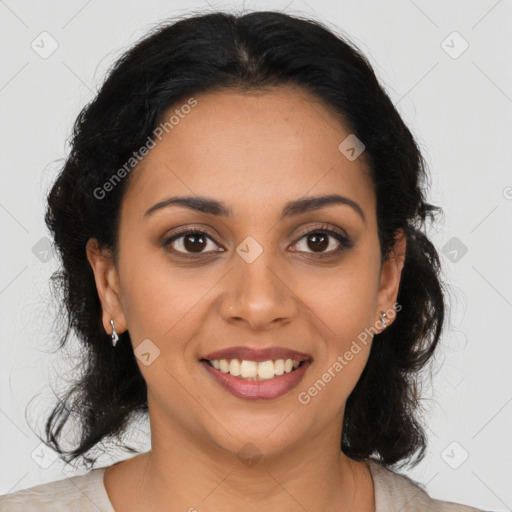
{"type": "Point", "coordinates": [254, 370]}
{"type": "Point", "coordinates": [252, 380]}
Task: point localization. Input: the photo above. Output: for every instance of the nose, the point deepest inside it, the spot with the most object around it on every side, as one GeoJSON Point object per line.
{"type": "Point", "coordinates": [258, 295]}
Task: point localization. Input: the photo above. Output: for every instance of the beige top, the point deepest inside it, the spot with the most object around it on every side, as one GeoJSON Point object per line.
{"type": "Point", "coordinates": [393, 493]}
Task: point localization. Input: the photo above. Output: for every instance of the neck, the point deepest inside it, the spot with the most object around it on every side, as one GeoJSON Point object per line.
{"type": "Point", "coordinates": [192, 474]}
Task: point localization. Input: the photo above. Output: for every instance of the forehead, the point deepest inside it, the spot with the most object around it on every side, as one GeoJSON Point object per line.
{"type": "Point", "coordinates": [249, 149]}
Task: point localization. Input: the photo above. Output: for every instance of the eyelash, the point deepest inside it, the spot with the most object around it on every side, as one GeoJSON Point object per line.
{"type": "Point", "coordinates": [345, 243]}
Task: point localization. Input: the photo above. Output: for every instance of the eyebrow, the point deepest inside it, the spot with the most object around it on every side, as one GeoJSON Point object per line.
{"type": "Point", "coordinates": [292, 208]}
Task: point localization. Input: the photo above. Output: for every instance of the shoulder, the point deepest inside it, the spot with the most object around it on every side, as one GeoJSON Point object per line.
{"type": "Point", "coordinates": [394, 491]}
{"type": "Point", "coordinates": [84, 492]}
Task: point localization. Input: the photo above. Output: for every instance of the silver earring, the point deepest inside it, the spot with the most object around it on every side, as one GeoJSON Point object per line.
{"type": "Point", "coordinates": [115, 337]}
{"type": "Point", "coordinates": [383, 319]}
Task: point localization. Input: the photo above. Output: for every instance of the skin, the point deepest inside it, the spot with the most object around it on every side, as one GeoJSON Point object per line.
{"type": "Point", "coordinates": [255, 152]}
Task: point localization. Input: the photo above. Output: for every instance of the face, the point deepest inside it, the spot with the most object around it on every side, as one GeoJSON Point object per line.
{"type": "Point", "coordinates": [260, 274]}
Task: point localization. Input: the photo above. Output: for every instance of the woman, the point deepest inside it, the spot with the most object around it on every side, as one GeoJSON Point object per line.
{"type": "Point", "coordinates": [241, 223]}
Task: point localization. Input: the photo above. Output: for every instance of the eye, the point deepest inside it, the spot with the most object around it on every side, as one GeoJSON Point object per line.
{"type": "Point", "coordinates": [190, 241]}
{"type": "Point", "coordinates": [321, 239]}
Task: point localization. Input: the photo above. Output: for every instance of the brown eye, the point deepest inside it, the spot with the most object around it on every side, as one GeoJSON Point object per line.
{"type": "Point", "coordinates": [195, 242]}
{"type": "Point", "coordinates": [322, 242]}
{"type": "Point", "coordinates": [190, 242]}
{"type": "Point", "coordinates": [318, 241]}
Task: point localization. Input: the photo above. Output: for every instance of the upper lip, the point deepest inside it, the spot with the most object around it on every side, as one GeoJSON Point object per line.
{"type": "Point", "coordinates": [257, 354]}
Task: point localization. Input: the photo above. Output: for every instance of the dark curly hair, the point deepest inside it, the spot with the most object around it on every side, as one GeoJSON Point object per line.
{"type": "Point", "coordinates": [256, 50]}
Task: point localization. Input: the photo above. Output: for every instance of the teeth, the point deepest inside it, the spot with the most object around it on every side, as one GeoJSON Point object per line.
{"type": "Point", "coordinates": [234, 367]}
{"type": "Point", "coordinates": [248, 369]}
{"type": "Point", "coordinates": [266, 369]}
{"type": "Point", "coordinates": [253, 370]}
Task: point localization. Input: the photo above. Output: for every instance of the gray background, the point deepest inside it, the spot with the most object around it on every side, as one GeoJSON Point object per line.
{"type": "Point", "coordinates": [456, 100]}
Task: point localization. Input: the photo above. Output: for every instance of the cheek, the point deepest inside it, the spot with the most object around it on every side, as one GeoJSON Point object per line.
{"type": "Point", "coordinates": [342, 303]}
{"type": "Point", "coordinates": [343, 299]}
{"type": "Point", "coordinates": [166, 308]}
{"type": "Point", "coordinates": [343, 313]}
{"type": "Point", "coordinates": [161, 302]}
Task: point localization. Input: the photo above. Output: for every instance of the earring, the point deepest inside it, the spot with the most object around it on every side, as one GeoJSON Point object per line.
{"type": "Point", "coordinates": [115, 337]}
{"type": "Point", "coordinates": [383, 316]}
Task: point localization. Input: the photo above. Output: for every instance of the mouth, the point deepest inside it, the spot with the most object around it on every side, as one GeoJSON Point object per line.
{"type": "Point", "coordinates": [253, 370]}
{"type": "Point", "coordinates": [257, 374]}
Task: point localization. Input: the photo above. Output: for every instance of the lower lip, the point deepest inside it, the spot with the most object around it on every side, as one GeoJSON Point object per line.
{"type": "Point", "coordinates": [258, 389]}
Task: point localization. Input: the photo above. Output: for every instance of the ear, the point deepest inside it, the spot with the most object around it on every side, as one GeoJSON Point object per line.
{"type": "Point", "coordinates": [390, 278]}
{"type": "Point", "coordinates": [107, 284]}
